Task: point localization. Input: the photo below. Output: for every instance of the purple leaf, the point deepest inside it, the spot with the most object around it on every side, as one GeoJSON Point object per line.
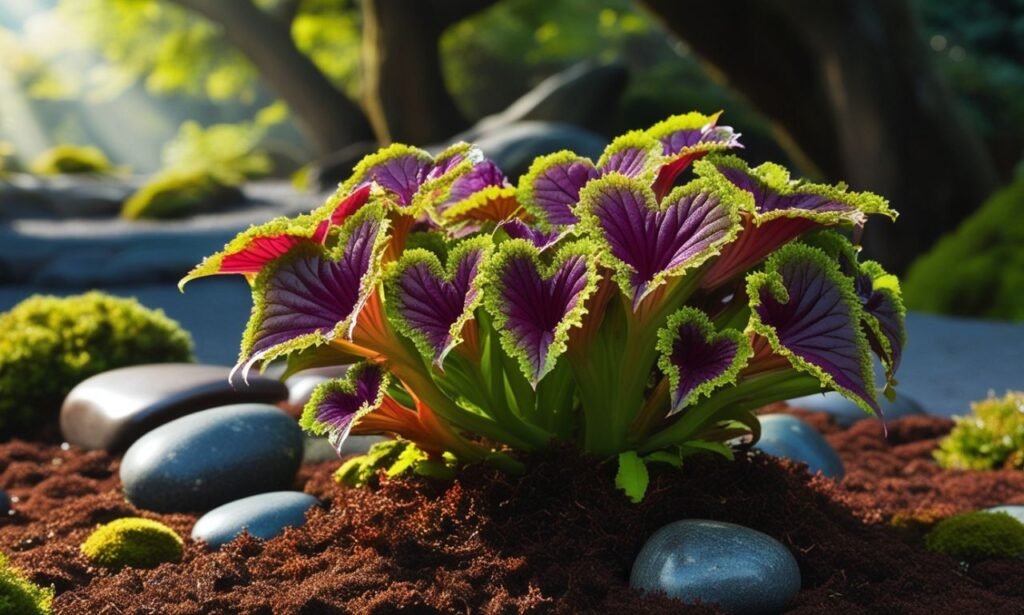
{"type": "Point", "coordinates": [479, 177]}
{"type": "Point", "coordinates": [552, 186]}
{"type": "Point", "coordinates": [767, 198]}
{"type": "Point", "coordinates": [634, 154]}
{"type": "Point", "coordinates": [432, 306]}
{"type": "Point", "coordinates": [542, 240]}
{"type": "Point", "coordinates": [311, 296]}
{"type": "Point", "coordinates": [534, 306]}
{"type": "Point", "coordinates": [337, 405]}
{"type": "Point", "coordinates": [649, 243]}
{"type": "Point", "coordinates": [696, 359]}
{"type": "Point", "coordinates": [809, 313]}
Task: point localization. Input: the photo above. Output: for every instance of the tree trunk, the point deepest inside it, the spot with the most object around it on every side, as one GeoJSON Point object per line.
{"type": "Point", "coordinates": [850, 82]}
{"type": "Point", "coordinates": [328, 118]}
{"type": "Point", "coordinates": [404, 89]}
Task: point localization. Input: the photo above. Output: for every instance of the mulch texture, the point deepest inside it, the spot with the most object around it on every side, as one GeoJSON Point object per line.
{"type": "Point", "coordinates": [558, 539]}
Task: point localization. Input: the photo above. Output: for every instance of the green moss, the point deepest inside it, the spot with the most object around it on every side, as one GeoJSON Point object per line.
{"type": "Point", "coordinates": [71, 159]}
{"type": "Point", "coordinates": [50, 344]}
{"type": "Point", "coordinates": [19, 596]}
{"type": "Point", "coordinates": [978, 535]}
{"type": "Point", "coordinates": [979, 269]}
{"type": "Point", "coordinates": [991, 437]}
{"type": "Point", "coordinates": [134, 542]}
{"type": "Point", "coordinates": [179, 193]}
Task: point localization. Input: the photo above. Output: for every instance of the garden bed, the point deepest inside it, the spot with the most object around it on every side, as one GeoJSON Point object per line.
{"type": "Point", "coordinates": [560, 538]}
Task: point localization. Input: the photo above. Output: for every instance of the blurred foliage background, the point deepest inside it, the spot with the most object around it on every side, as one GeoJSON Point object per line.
{"type": "Point", "coordinates": [921, 100]}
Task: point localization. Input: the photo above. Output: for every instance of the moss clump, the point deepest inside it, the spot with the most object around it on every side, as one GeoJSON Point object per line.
{"type": "Point", "coordinates": [991, 437]}
{"type": "Point", "coordinates": [179, 193]}
{"type": "Point", "coordinates": [978, 270]}
{"type": "Point", "coordinates": [71, 160]}
{"type": "Point", "coordinates": [19, 596]}
{"type": "Point", "coordinates": [50, 344]}
{"type": "Point", "coordinates": [134, 542]}
{"type": "Point", "coordinates": [978, 535]}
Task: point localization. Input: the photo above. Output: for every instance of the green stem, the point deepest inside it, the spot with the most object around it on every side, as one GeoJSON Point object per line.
{"type": "Point", "coordinates": [748, 394]}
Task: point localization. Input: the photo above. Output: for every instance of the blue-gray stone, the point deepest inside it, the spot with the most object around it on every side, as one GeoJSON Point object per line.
{"type": "Point", "coordinates": [113, 409]}
{"type": "Point", "coordinates": [741, 570]}
{"type": "Point", "coordinates": [846, 413]}
{"type": "Point", "coordinates": [264, 516]}
{"type": "Point", "coordinates": [5, 503]}
{"type": "Point", "coordinates": [206, 459]}
{"type": "Point", "coordinates": [786, 436]}
{"type": "Point", "coordinates": [1014, 510]}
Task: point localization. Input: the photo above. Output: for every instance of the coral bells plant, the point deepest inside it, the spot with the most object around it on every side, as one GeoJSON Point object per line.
{"type": "Point", "coordinates": [641, 306]}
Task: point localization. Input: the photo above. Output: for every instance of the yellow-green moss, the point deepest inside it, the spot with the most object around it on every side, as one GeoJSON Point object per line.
{"type": "Point", "coordinates": [134, 542]}
{"type": "Point", "coordinates": [991, 437]}
{"type": "Point", "coordinates": [978, 270]}
{"type": "Point", "coordinates": [19, 596]}
{"type": "Point", "coordinates": [978, 535]}
{"type": "Point", "coordinates": [178, 193]}
{"type": "Point", "coordinates": [50, 344]}
{"type": "Point", "coordinates": [71, 159]}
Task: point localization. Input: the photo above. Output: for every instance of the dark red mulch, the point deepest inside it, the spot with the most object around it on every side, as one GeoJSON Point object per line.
{"type": "Point", "coordinates": [558, 539]}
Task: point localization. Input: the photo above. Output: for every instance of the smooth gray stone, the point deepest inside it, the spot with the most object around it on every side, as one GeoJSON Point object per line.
{"type": "Point", "coordinates": [264, 516]}
{"type": "Point", "coordinates": [301, 385]}
{"type": "Point", "coordinates": [5, 503]}
{"type": "Point", "coordinates": [786, 436]}
{"type": "Point", "coordinates": [1014, 510]}
{"type": "Point", "coordinates": [113, 409]}
{"type": "Point", "coordinates": [206, 459]}
{"type": "Point", "coordinates": [741, 570]}
{"type": "Point", "coordinates": [847, 413]}
{"type": "Point", "coordinates": [514, 146]}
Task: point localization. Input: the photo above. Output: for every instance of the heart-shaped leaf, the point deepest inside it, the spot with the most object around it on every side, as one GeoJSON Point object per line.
{"type": "Point", "coordinates": [412, 176]}
{"type": "Point", "coordinates": [337, 405]}
{"type": "Point", "coordinates": [310, 295]}
{"type": "Point", "coordinates": [430, 305]}
{"type": "Point", "coordinates": [551, 188]}
{"type": "Point", "coordinates": [534, 305]}
{"type": "Point", "coordinates": [809, 313]}
{"type": "Point", "coordinates": [647, 243]}
{"type": "Point", "coordinates": [777, 210]}
{"type": "Point", "coordinates": [696, 358]}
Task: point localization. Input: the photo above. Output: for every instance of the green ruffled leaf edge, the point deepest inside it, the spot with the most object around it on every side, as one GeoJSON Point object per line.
{"type": "Point", "coordinates": [525, 189]}
{"type": "Point", "coordinates": [591, 227]}
{"type": "Point", "coordinates": [367, 285]}
{"type": "Point", "coordinates": [346, 385]}
{"type": "Point", "coordinates": [638, 139]}
{"type": "Point", "coordinates": [771, 280]}
{"type": "Point", "coordinates": [493, 302]}
{"type": "Point", "coordinates": [419, 255]}
{"type": "Point", "coordinates": [666, 340]}
{"type": "Point", "coordinates": [777, 177]}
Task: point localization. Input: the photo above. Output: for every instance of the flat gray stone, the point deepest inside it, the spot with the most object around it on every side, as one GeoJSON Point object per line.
{"type": "Point", "coordinates": [1014, 510]}
{"type": "Point", "coordinates": [212, 457]}
{"type": "Point", "coordinates": [846, 413]}
{"type": "Point", "coordinates": [5, 503]}
{"type": "Point", "coordinates": [264, 516]}
{"type": "Point", "coordinates": [743, 571]}
{"type": "Point", "coordinates": [788, 437]}
{"type": "Point", "coordinates": [111, 410]}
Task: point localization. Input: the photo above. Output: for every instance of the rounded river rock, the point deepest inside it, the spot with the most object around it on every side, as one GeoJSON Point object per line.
{"type": "Point", "coordinates": [206, 459]}
{"type": "Point", "coordinates": [264, 516]}
{"type": "Point", "coordinates": [786, 436]}
{"type": "Point", "coordinates": [741, 570]}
